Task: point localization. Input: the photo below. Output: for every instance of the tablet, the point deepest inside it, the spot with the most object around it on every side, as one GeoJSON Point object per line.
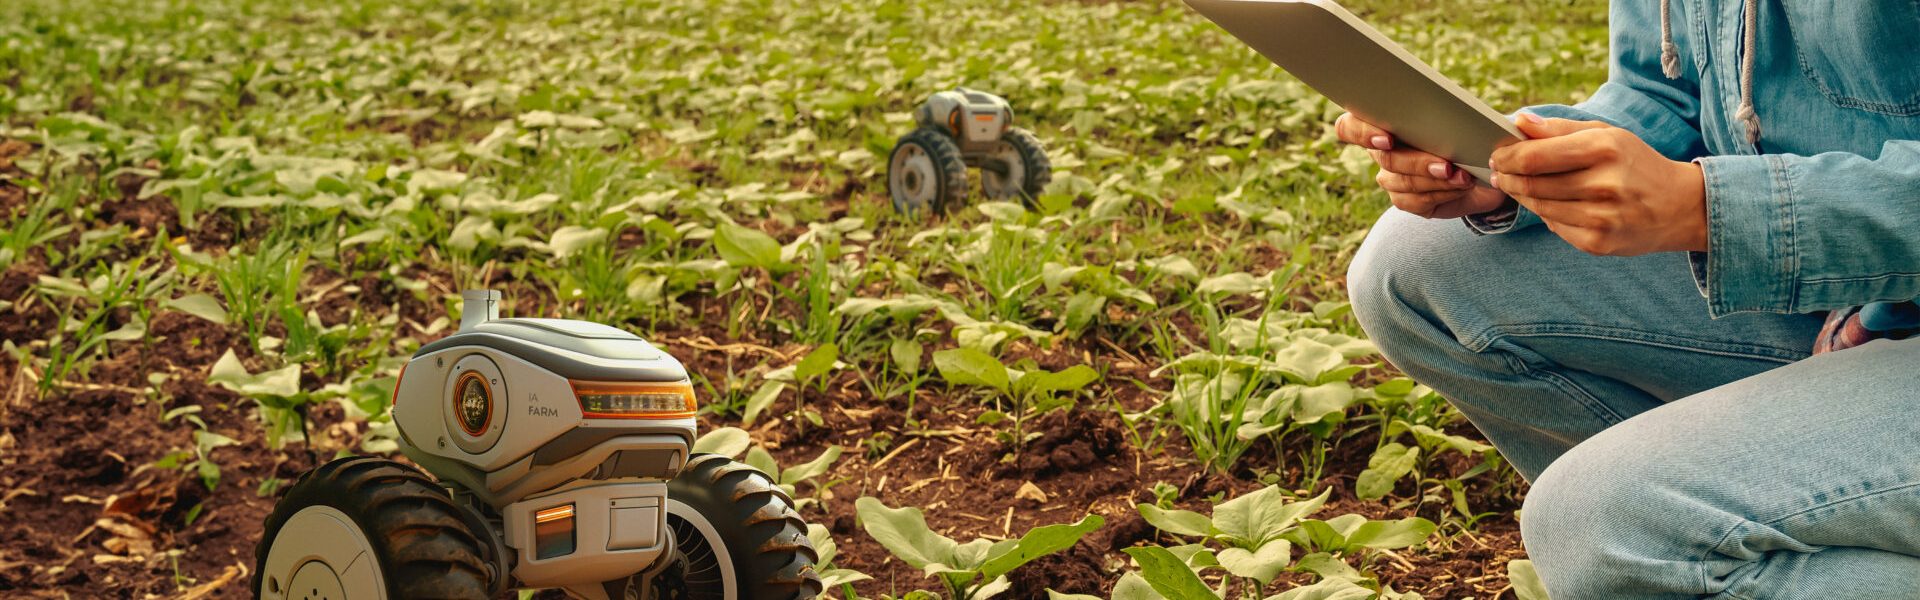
{"type": "Point", "coordinates": [1351, 63]}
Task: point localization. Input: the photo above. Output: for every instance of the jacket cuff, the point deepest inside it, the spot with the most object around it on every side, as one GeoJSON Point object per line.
{"type": "Point", "coordinates": [1509, 217]}
{"type": "Point", "coordinates": [1749, 259]}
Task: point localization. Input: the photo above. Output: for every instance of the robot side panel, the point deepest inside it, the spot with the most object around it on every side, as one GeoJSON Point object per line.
{"type": "Point", "coordinates": [481, 407]}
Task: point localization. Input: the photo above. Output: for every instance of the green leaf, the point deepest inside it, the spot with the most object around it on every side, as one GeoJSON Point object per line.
{"type": "Point", "coordinates": [906, 355]}
{"type": "Point", "coordinates": [725, 441]}
{"type": "Point", "coordinates": [1331, 534]}
{"type": "Point", "coordinates": [1003, 211]}
{"type": "Point", "coordinates": [1134, 587]}
{"type": "Point", "coordinates": [1317, 403]}
{"type": "Point", "coordinates": [1169, 575]}
{"type": "Point", "coordinates": [1173, 266]}
{"type": "Point", "coordinates": [1327, 566]}
{"type": "Point", "coordinates": [1071, 379]}
{"type": "Point", "coordinates": [229, 373]}
{"type": "Point", "coordinates": [760, 400]}
{"type": "Point", "coordinates": [813, 468]}
{"type": "Point", "coordinates": [1038, 542]}
{"type": "Point", "coordinates": [1327, 589]}
{"type": "Point", "coordinates": [1526, 581]}
{"type": "Point", "coordinates": [1429, 436]}
{"type": "Point", "coordinates": [759, 458]}
{"type": "Point", "coordinates": [1305, 360]}
{"type": "Point", "coordinates": [570, 240]}
{"type": "Point", "coordinates": [968, 366]}
{"type": "Point", "coordinates": [1262, 565]}
{"type": "Point", "coordinates": [1262, 515]}
{"type": "Point", "coordinates": [1081, 311]}
{"type": "Point", "coordinates": [199, 305]}
{"type": "Point", "coordinates": [904, 532]}
{"type": "Point", "coordinates": [1388, 464]}
{"type": "Point", "coordinates": [816, 362]}
{"type": "Point", "coordinates": [1177, 522]}
{"type": "Point", "coordinates": [1389, 535]}
{"type": "Point", "coordinates": [1231, 284]}
{"type": "Point", "coordinates": [745, 247]}
{"type": "Point", "coordinates": [1399, 386]}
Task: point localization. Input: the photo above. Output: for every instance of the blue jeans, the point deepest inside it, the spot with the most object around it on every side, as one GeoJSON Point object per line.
{"type": "Point", "coordinates": [1671, 455]}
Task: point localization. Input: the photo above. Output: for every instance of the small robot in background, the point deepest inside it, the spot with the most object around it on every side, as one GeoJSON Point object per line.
{"type": "Point", "coordinates": [561, 454]}
{"type": "Point", "coordinates": [958, 129]}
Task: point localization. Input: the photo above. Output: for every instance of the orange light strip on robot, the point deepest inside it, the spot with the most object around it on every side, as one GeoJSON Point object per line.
{"type": "Point", "coordinates": [635, 400]}
{"type": "Point", "coordinates": [396, 386]}
{"type": "Point", "coordinates": [553, 514]}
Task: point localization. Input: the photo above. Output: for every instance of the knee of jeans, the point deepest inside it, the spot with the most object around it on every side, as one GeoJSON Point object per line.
{"type": "Point", "coordinates": [1397, 275]}
{"type": "Point", "coordinates": [1584, 516]}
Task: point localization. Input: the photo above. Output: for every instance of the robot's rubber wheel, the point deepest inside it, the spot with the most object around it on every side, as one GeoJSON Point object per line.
{"type": "Point", "coordinates": [926, 173]}
{"type": "Point", "coordinates": [364, 528]}
{"type": "Point", "coordinates": [1028, 170]}
{"type": "Point", "coordinates": [738, 537]}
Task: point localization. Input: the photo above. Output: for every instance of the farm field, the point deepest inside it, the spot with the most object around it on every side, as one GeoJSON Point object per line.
{"type": "Point", "coordinates": [225, 225]}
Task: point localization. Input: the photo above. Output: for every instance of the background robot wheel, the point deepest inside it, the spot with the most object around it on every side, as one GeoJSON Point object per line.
{"type": "Point", "coordinates": [925, 173]}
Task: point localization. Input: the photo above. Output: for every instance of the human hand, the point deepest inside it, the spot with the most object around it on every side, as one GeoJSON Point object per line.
{"type": "Point", "coordinates": [1418, 182]}
{"type": "Point", "coordinates": [1603, 189]}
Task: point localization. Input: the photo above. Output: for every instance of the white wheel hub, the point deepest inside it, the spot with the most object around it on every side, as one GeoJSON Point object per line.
{"type": "Point", "coordinates": [321, 554]}
{"type": "Point", "coordinates": [1009, 186]}
{"type": "Point", "coordinates": [912, 177]}
{"type": "Point", "coordinates": [713, 544]}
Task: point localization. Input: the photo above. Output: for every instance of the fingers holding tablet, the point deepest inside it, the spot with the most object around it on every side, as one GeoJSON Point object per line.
{"type": "Point", "coordinates": [1418, 182]}
{"type": "Point", "coordinates": [1352, 130]}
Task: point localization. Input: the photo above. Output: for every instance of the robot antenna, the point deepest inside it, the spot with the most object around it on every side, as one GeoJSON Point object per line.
{"type": "Point", "coordinates": [478, 306]}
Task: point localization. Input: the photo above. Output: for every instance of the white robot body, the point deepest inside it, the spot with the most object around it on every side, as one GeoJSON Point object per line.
{"type": "Point", "coordinates": [519, 437]}
{"type": "Point", "coordinates": [561, 458]}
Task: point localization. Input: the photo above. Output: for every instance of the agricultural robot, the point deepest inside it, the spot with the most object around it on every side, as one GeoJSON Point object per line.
{"type": "Point", "coordinates": [560, 454]}
{"type": "Point", "coordinates": [958, 129]}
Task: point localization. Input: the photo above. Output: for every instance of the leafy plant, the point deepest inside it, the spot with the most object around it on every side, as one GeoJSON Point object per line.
{"type": "Point", "coordinates": [1030, 392]}
{"type": "Point", "coordinates": [277, 391]}
{"type": "Point", "coordinates": [832, 577]}
{"type": "Point", "coordinates": [199, 459]}
{"type": "Point", "coordinates": [808, 372]}
{"type": "Point", "coordinates": [973, 570]}
{"type": "Point", "coordinates": [789, 479]}
{"type": "Point", "coordinates": [1252, 537]}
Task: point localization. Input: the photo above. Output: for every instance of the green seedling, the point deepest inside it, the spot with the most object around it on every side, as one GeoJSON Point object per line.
{"type": "Point", "coordinates": [809, 373]}
{"type": "Point", "coordinates": [1252, 537]}
{"type": "Point", "coordinates": [832, 577]}
{"type": "Point", "coordinates": [277, 391]}
{"type": "Point", "coordinates": [971, 571]}
{"type": "Point", "coordinates": [87, 310]}
{"type": "Point", "coordinates": [1029, 393]}
{"type": "Point", "coordinates": [199, 459]}
{"type": "Point", "coordinates": [789, 479]}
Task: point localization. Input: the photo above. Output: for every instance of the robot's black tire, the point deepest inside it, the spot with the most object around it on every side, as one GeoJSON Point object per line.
{"type": "Point", "coordinates": [947, 163]}
{"type": "Point", "coordinates": [425, 544]}
{"type": "Point", "coordinates": [1038, 169]}
{"type": "Point", "coordinates": [766, 538]}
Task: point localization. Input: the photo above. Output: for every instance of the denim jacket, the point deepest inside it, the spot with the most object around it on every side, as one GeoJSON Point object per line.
{"type": "Point", "coordinates": [1819, 212]}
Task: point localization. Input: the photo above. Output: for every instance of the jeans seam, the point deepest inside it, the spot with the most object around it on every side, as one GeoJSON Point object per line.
{"type": "Point", "coordinates": [1486, 338]}
{"type": "Point", "coordinates": [1700, 562]}
{"type": "Point", "coordinates": [1565, 385]}
{"type": "Point", "coordinates": [1861, 496]}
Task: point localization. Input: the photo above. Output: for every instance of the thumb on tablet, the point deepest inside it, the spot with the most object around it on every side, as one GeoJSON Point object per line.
{"type": "Point", "coordinates": [1536, 127]}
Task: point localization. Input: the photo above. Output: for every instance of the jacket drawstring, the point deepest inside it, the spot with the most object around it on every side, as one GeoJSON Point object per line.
{"type": "Point", "coordinates": [1670, 62]}
{"type": "Point", "coordinates": [1669, 53]}
{"type": "Point", "coordinates": [1746, 115]}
